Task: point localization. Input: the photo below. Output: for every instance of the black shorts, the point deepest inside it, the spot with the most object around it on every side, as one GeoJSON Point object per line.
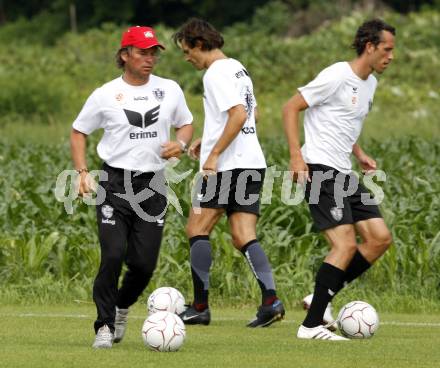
{"type": "Point", "coordinates": [336, 199]}
{"type": "Point", "coordinates": [236, 190]}
{"type": "Point", "coordinates": [122, 192]}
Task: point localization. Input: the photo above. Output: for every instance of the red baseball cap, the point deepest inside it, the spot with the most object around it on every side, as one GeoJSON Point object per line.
{"type": "Point", "coordinates": [140, 37]}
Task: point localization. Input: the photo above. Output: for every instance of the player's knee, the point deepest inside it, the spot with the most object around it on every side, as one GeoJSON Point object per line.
{"type": "Point", "coordinates": [351, 249]}
{"type": "Point", "coordinates": [113, 260]}
{"type": "Point", "coordinates": [189, 231]}
{"type": "Point", "coordinates": [241, 238]}
{"type": "Point", "coordinates": [237, 241]}
{"type": "Point", "coordinates": [382, 240]}
{"type": "Point", "coordinates": [385, 240]}
{"type": "Point", "coordinates": [347, 249]}
{"type": "Point", "coordinates": [141, 269]}
{"type": "Point", "coordinates": [388, 240]}
{"type": "Point", "coordinates": [193, 229]}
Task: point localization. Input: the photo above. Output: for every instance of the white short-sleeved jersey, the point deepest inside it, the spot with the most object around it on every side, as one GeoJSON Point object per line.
{"type": "Point", "coordinates": [136, 121]}
{"type": "Point", "coordinates": [338, 103]}
{"type": "Point", "coordinates": [227, 84]}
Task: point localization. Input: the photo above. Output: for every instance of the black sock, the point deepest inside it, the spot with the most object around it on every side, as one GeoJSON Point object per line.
{"type": "Point", "coordinates": [357, 267]}
{"type": "Point", "coordinates": [260, 266]}
{"type": "Point", "coordinates": [201, 260]}
{"type": "Point", "coordinates": [329, 280]}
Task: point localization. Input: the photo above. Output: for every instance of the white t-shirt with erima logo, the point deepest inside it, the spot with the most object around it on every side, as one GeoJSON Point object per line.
{"type": "Point", "coordinates": [338, 103]}
{"type": "Point", "coordinates": [227, 84]}
{"type": "Point", "coordinates": [136, 121]}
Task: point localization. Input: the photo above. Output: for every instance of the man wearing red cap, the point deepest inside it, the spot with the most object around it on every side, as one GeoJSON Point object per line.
{"type": "Point", "coordinates": [136, 112]}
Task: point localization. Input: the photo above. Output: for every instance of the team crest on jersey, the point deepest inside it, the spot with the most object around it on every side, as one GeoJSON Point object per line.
{"type": "Point", "coordinates": [159, 94]}
{"type": "Point", "coordinates": [119, 97]}
{"type": "Point", "coordinates": [336, 213]}
{"type": "Point", "coordinates": [354, 97]}
{"type": "Point", "coordinates": [107, 211]}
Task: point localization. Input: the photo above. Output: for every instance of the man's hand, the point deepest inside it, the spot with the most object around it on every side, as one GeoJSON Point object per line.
{"type": "Point", "coordinates": [171, 149]}
{"type": "Point", "coordinates": [300, 170]}
{"type": "Point", "coordinates": [85, 184]}
{"type": "Point", "coordinates": [194, 149]}
{"type": "Point", "coordinates": [210, 166]}
{"type": "Point", "coordinates": [367, 164]}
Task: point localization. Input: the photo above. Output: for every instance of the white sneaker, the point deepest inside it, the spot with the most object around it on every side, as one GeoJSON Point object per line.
{"type": "Point", "coordinates": [328, 320]}
{"type": "Point", "coordinates": [121, 319]}
{"type": "Point", "coordinates": [318, 333]}
{"type": "Point", "coordinates": [104, 338]}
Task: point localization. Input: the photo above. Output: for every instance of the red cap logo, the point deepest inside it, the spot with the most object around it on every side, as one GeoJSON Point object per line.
{"type": "Point", "coordinates": [140, 37]}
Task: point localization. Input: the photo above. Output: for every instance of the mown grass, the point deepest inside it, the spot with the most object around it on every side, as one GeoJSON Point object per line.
{"type": "Point", "coordinates": [61, 336]}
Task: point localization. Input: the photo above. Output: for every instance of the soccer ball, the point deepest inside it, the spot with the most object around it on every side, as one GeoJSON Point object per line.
{"type": "Point", "coordinates": [163, 331]}
{"type": "Point", "coordinates": [358, 320]}
{"type": "Point", "coordinates": [166, 299]}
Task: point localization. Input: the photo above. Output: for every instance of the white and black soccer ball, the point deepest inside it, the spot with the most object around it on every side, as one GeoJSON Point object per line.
{"type": "Point", "coordinates": [163, 331]}
{"type": "Point", "coordinates": [358, 320]}
{"type": "Point", "coordinates": [166, 299]}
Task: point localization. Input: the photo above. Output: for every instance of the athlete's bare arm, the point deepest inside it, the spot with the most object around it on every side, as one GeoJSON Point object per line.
{"type": "Point", "coordinates": [78, 143]}
{"type": "Point", "coordinates": [236, 118]}
{"type": "Point", "coordinates": [176, 148]}
{"type": "Point", "coordinates": [291, 111]}
{"type": "Point", "coordinates": [367, 164]}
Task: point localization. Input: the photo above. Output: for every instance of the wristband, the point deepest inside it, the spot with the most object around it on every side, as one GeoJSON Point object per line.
{"type": "Point", "coordinates": [183, 145]}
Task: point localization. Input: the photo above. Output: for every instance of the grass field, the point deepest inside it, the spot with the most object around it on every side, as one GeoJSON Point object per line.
{"type": "Point", "coordinates": [61, 336]}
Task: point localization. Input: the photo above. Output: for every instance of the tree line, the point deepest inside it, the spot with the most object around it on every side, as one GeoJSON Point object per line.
{"type": "Point", "coordinates": [83, 14]}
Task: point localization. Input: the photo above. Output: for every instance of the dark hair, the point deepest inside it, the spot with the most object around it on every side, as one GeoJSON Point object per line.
{"type": "Point", "coordinates": [120, 63]}
{"type": "Point", "coordinates": [370, 31]}
{"type": "Point", "coordinates": [198, 30]}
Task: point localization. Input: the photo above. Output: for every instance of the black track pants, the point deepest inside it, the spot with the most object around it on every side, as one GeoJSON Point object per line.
{"type": "Point", "coordinates": [124, 236]}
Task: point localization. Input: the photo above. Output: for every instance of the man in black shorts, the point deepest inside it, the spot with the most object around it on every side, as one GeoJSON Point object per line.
{"type": "Point", "coordinates": [232, 171]}
{"type": "Point", "coordinates": [336, 198]}
{"type": "Point", "coordinates": [337, 102]}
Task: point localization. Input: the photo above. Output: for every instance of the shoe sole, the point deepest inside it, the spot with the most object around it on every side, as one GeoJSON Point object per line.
{"type": "Point", "coordinates": [277, 317]}
{"type": "Point", "coordinates": [313, 339]}
{"type": "Point", "coordinates": [102, 347]}
{"type": "Point", "coordinates": [329, 326]}
{"type": "Point", "coordinates": [119, 339]}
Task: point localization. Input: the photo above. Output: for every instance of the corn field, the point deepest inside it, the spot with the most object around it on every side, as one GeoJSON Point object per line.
{"type": "Point", "coordinates": [47, 255]}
